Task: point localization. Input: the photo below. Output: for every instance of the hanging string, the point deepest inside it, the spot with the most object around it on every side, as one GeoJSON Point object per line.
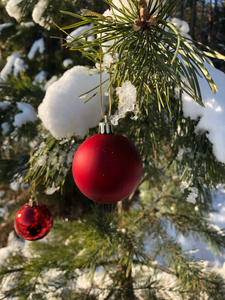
{"type": "Point", "coordinates": [110, 76]}
{"type": "Point", "coordinates": [33, 199]}
{"type": "Point", "coordinates": [100, 63]}
{"type": "Point", "coordinates": [110, 99]}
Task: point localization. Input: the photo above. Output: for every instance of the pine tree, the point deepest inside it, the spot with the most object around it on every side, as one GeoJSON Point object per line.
{"type": "Point", "coordinates": [129, 249]}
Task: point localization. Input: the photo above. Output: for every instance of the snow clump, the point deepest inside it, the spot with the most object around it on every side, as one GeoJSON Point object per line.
{"type": "Point", "coordinates": [63, 112]}
{"type": "Point", "coordinates": [5, 127]}
{"type": "Point", "coordinates": [42, 160]}
{"type": "Point", "coordinates": [4, 105]}
{"type": "Point", "coordinates": [5, 25]}
{"type": "Point", "coordinates": [40, 77]}
{"type": "Point", "coordinates": [127, 102]}
{"type": "Point", "coordinates": [181, 26]}
{"type": "Point", "coordinates": [38, 46]}
{"type": "Point", "coordinates": [27, 24]}
{"type": "Point", "coordinates": [51, 190]}
{"type": "Point", "coordinates": [193, 192]}
{"type": "Point", "coordinates": [109, 59]}
{"type": "Point", "coordinates": [28, 114]}
{"type": "Point", "coordinates": [14, 64]}
{"type": "Point", "coordinates": [37, 13]}
{"type": "Point", "coordinates": [183, 186]}
{"type": "Point", "coordinates": [13, 9]}
{"type": "Point", "coordinates": [67, 63]}
{"type": "Point", "coordinates": [192, 195]}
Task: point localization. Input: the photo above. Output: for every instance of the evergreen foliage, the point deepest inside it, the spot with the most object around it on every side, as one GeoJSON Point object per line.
{"type": "Point", "coordinates": [133, 244]}
{"type": "Point", "coordinates": [153, 57]}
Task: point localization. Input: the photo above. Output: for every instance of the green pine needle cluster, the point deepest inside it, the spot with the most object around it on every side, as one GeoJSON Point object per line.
{"type": "Point", "coordinates": [154, 58]}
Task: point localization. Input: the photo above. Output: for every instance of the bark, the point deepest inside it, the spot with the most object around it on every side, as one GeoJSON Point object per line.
{"type": "Point", "coordinates": [210, 22]}
{"type": "Point", "coordinates": [125, 280]}
{"type": "Point", "coordinates": [182, 10]}
{"type": "Point", "coordinates": [215, 27]}
{"type": "Point", "coordinates": [193, 18]}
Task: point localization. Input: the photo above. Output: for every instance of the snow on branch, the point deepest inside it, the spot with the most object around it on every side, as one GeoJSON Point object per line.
{"type": "Point", "coordinates": [28, 114]}
{"type": "Point", "coordinates": [14, 64]}
{"type": "Point", "coordinates": [63, 112]}
{"type": "Point", "coordinates": [38, 46]}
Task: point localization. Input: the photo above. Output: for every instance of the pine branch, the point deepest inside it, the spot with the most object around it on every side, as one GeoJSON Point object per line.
{"type": "Point", "coordinates": [155, 54]}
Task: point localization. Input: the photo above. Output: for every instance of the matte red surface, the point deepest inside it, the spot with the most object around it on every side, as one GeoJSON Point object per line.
{"type": "Point", "coordinates": [33, 222]}
{"type": "Point", "coordinates": [107, 168]}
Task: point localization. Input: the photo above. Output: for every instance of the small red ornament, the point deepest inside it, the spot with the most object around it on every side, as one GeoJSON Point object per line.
{"type": "Point", "coordinates": [33, 221]}
{"type": "Point", "coordinates": [107, 167]}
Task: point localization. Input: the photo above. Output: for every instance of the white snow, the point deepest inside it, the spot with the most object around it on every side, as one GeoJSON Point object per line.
{"type": "Point", "coordinates": [14, 241]}
{"type": "Point", "coordinates": [183, 186]}
{"type": "Point", "coordinates": [5, 128]}
{"type": "Point", "coordinates": [5, 25]}
{"type": "Point", "coordinates": [193, 191]}
{"type": "Point", "coordinates": [51, 190]}
{"type": "Point", "coordinates": [4, 253]}
{"type": "Point", "coordinates": [38, 46]}
{"type": "Point", "coordinates": [181, 26]}
{"type": "Point", "coordinates": [50, 81]}
{"type": "Point", "coordinates": [217, 218]}
{"type": "Point", "coordinates": [63, 112]}
{"type": "Point", "coordinates": [70, 156]}
{"type": "Point", "coordinates": [13, 244]}
{"type": "Point", "coordinates": [27, 24]}
{"type": "Point", "coordinates": [2, 212]}
{"type": "Point", "coordinates": [127, 102]}
{"type": "Point", "coordinates": [192, 195]}
{"type": "Point", "coordinates": [16, 182]}
{"type": "Point", "coordinates": [28, 114]}
{"type": "Point", "coordinates": [38, 10]}
{"type": "Point", "coordinates": [212, 119]}
{"type": "Point", "coordinates": [67, 63]}
{"type": "Point", "coordinates": [109, 59]}
{"type": "Point", "coordinates": [4, 105]}
{"type": "Point", "coordinates": [76, 32]}
{"type": "Point", "coordinates": [42, 160]}
{"type": "Point", "coordinates": [14, 64]}
{"type": "Point", "coordinates": [41, 77]}
{"type": "Point", "coordinates": [13, 10]}
{"type": "Point", "coordinates": [9, 65]}
{"type": "Point", "coordinates": [19, 66]}
{"type": "Point", "coordinates": [119, 3]}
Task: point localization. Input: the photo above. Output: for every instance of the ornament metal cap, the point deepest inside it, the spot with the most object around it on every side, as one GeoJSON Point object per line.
{"type": "Point", "coordinates": [33, 201]}
{"type": "Point", "coordinates": [105, 127]}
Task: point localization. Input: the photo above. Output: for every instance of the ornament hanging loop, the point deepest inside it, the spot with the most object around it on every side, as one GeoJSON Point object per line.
{"type": "Point", "coordinates": [33, 200]}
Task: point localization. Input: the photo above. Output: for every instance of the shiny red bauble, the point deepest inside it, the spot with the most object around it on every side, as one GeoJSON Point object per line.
{"type": "Point", "coordinates": [33, 222]}
{"type": "Point", "coordinates": [107, 168]}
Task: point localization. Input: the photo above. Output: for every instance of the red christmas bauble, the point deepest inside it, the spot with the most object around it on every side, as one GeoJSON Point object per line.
{"type": "Point", "coordinates": [107, 168]}
{"type": "Point", "coordinates": [33, 222]}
